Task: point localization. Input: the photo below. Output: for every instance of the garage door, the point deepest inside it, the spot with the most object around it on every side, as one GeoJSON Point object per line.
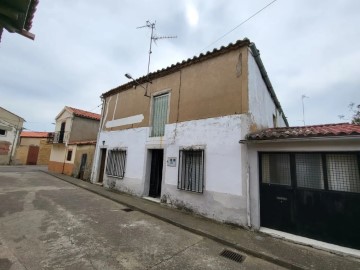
{"type": "Point", "coordinates": [312, 194]}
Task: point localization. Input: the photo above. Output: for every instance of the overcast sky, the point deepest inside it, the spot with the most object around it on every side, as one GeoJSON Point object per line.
{"type": "Point", "coordinates": [83, 48]}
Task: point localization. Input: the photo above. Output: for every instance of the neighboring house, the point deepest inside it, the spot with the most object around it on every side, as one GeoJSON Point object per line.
{"type": "Point", "coordinates": [305, 181]}
{"type": "Point", "coordinates": [178, 143]}
{"type": "Point", "coordinates": [34, 148]}
{"type": "Point", "coordinates": [10, 129]}
{"type": "Point", "coordinates": [74, 142]}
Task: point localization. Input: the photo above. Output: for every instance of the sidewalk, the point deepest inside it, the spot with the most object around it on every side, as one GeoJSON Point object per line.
{"type": "Point", "coordinates": [278, 251]}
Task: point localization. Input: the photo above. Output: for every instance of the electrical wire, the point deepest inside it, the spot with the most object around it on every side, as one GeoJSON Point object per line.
{"type": "Point", "coordinates": [252, 16]}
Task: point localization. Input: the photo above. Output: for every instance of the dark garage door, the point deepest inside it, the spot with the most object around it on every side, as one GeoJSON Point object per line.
{"type": "Point", "coordinates": [316, 195]}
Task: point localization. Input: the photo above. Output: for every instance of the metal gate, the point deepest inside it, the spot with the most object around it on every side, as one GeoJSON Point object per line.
{"type": "Point", "coordinates": [312, 194]}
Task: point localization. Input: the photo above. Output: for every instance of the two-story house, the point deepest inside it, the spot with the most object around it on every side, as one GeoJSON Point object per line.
{"type": "Point", "coordinates": [10, 128]}
{"type": "Point", "coordinates": [74, 142]}
{"type": "Point", "coordinates": [173, 135]}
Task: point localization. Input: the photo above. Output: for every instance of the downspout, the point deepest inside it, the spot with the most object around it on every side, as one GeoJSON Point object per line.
{"type": "Point", "coordinates": [256, 54]}
{"type": "Point", "coordinates": [94, 169]}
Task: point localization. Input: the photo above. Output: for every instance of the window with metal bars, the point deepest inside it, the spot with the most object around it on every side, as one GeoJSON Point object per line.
{"type": "Point", "coordinates": [191, 170]}
{"type": "Point", "coordinates": [321, 170]}
{"type": "Point", "coordinates": [116, 161]}
{"type": "Point", "coordinates": [159, 115]}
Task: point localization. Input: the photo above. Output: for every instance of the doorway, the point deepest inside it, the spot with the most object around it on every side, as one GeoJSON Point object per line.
{"type": "Point", "coordinates": [82, 166]}
{"type": "Point", "coordinates": [32, 155]}
{"type": "Point", "coordinates": [157, 159]}
{"type": "Point", "coordinates": [102, 164]}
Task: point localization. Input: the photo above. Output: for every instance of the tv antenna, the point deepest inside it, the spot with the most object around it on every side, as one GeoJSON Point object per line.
{"type": "Point", "coordinates": [153, 38]}
{"type": "Point", "coordinates": [303, 108]}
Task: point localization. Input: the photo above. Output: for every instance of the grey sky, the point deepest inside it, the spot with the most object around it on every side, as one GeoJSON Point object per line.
{"type": "Point", "coordinates": [84, 48]}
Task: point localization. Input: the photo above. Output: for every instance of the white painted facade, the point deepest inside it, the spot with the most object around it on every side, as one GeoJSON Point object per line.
{"type": "Point", "coordinates": [226, 190]}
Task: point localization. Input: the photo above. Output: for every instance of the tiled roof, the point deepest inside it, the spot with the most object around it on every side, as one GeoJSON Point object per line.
{"type": "Point", "coordinates": [36, 134]}
{"type": "Point", "coordinates": [82, 143]}
{"type": "Point", "coordinates": [341, 129]}
{"type": "Point", "coordinates": [180, 65]}
{"type": "Point", "coordinates": [84, 114]}
{"type": "Point", "coordinates": [30, 15]}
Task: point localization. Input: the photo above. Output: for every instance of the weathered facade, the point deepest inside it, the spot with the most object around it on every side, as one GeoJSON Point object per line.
{"type": "Point", "coordinates": [10, 128]}
{"type": "Point", "coordinates": [306, 181]}
{"type": "Point", "coordinates": [179, 143]}
{"type": "Point", "coordinates": [74, 142]}
{"type": "Point", "coordinates": [34, 148]}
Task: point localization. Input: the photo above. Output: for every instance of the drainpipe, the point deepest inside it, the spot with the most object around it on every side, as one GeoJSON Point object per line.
{"type": "Point", "coordinates": [256, 54]}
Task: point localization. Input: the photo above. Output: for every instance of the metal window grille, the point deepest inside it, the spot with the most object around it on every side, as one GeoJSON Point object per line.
{"type": "Point", "coordinates": [343, 172]}
{"type": "Point", "coordinates": [115, 165]}
{"type": "Point", "coordinates": [275, 168]}
{"type": "Point", "coordinates": [191, 170]}
{"type": "Point", "coordinates": [159, 115]}
{"type": "Point", "coordinates": [309, 170]}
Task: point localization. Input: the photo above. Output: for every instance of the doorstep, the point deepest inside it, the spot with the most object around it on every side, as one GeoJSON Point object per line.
{"type": "Point", "coordinates": [344, 251]}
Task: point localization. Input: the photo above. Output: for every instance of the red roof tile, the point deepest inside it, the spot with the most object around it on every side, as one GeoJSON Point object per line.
{"type": "Point", "coordinates": [36, 134]}
{"type": "Point", "coordinates": [341, 129]}
{"type": "Point", "coordinates": [84, 114]}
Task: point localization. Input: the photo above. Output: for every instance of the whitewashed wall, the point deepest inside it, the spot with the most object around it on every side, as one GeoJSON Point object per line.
{"type": "Point", "coordinates": [224, 196]}
{"type": "Point", "coordinates": [261, 105]}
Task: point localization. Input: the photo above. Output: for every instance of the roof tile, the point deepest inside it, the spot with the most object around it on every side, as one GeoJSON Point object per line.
{"type": "Point", "coordinates": [340, 129]}
{"type": "Point", "coordinates": [84, 114]}
{"type": "Point", "coordinates": [36, 134]}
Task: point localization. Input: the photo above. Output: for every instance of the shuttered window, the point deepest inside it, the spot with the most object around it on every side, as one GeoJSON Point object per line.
{"type": "Point", "coordinates": [159, 115]}
{"type": "Point", "coordinates": [191, 170]}
{"type": "Point", "coordinates": [115, 165]}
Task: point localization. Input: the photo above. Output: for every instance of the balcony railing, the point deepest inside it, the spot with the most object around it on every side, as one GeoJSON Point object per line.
{"type": "Point", "coordinates": [61, 137]}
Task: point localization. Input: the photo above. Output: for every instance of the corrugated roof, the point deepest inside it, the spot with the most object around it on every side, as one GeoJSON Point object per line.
{"type": "Point", "coordinates": [36, 134]}
{"type": "Point", "coordinates": [84, 114]}
{"type": "Point", "coordinates": [326, 130]}
{"type": "Point", "coordinates": [180, 65]}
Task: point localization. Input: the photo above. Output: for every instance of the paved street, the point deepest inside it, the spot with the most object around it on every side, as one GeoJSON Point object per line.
{"type": "Point", "coordinates": [47, 223]}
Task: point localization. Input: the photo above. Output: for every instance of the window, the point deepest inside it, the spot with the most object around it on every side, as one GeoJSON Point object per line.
{"type": "Point", "coordinates": [115, 165]}
{"type": "Point", "coordinates": [69, 155]}
{"type": "Point", "coordinates": [337, 171]}
{"type": "Point", "coordinates": [2, 132]}
{"type": "Point", "coordinates": [191, 170]}
{"type": "Point", "coordinates": [309, 170]}
{"type": "Point", "coordinates": [275, 169]}
{"type": "Point", "coordinates": [343, 172]}
{"type": "Point", "coordinates": [159, 115]}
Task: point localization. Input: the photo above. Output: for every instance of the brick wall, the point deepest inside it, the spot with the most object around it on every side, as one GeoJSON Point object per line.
{"type": "Point", "coordinates": [60, 167]}
{"type": "Point", "coordinates": [44, 153]}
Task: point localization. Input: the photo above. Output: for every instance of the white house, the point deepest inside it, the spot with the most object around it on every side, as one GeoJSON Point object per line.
{"type": "Point", "coordinates": [173, 135]}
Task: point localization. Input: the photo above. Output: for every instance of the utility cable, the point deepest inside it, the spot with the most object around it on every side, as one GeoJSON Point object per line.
{"type": "Point", "coordinates": [252, 16]}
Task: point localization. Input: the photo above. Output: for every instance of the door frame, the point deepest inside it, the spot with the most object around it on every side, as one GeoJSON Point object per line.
{"type": "Point", "coordinates": [147, 171]}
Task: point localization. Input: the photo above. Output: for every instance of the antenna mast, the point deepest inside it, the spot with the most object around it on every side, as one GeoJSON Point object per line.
{"type": "Point", "coordinates": [153, 38]}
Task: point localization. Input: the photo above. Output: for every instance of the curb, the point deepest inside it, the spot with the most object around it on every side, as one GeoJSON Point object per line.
{"type": "Point", "coordinates": [260, 255]}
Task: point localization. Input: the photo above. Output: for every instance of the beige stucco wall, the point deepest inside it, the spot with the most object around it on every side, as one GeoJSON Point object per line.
{"type": "Point", "coordinates": [44, 152]}
{"type": "Point", "coordinates": [30, 141]}
{"type": "Point", "coordinates": [80, 150]}
{"type": "Point", "coordinates": [84, 129]}
{"type": "Point", "coordinates": [215, 87]}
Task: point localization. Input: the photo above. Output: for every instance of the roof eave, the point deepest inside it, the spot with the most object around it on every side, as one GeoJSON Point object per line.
{"type": "Point", "coordinates": [300, 139]}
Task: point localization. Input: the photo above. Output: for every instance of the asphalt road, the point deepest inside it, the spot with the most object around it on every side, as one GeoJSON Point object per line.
{"type": "Point", "coordinates": [46, 223]}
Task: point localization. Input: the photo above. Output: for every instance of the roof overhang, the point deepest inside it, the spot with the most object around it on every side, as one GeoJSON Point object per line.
{"type": "Point", "coordinates": [16, 16]}
{"type": "Point", "coordinates": [304, 139]}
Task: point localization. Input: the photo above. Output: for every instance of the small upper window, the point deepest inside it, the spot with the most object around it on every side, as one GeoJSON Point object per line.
{"type": "Point", "coordinates": [69, 155]}
{"type": "Point", "coordinates": [2, 132]}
